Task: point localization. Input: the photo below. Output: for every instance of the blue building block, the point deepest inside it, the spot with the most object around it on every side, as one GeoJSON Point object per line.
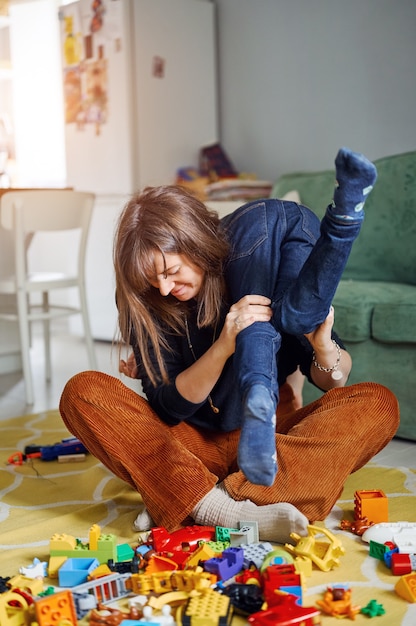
{"type": "Point", "coordinates": [295, 590]}
{"type": "Point", "coordinates": [76, 571]}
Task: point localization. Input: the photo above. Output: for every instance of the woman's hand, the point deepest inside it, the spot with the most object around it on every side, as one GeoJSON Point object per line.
{"type": "Point", "coordinates": [321, 337]}
{"type": "Point", "coordinates": [249, 309]}
{"type": "Point", "coordinates": [332, 364]}
{"type": "Point", "coordinates": [129, 367]}
{"type": "Point", "coordinates": [196, 382]}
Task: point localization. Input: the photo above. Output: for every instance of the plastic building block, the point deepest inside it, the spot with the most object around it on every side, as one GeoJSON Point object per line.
{"type": "Point", "coordinates": [303, 566]}
{"type": "Point", "coordinates": [403, 564]}
{"type": "Point", "coordinates": [58, 608]}
{"type": "Point", "coordinates": [405, 540]}
{"type": "Point", "coordinates": [226, 566]}
{"type": "Point", "coordinates": [203, 553]}
{"type": "Point", "coordinates": [281, 578]}
{"type": "Point", "coordinates": [406, 587]}
{"type": "Point", "coordinates": [218, 546]}
{"type": "Point", "coordinates": [186, 538]}
{"type": "Point", "coordinates": [33, 585]}
{"type": "Point", "coordinates": [124, 552]}
{"type": "Point", "coordinates": [256, 553]}
{"type": "Point", "coordinates": [178, 545]}
{"type": "Point", "coordinates": [173, 598]}
{"type": "Point", "coordinates": [372, 504]}
{"type": "Point", "coordinates": [13, 609]}
{"type": "Point", "coordinates": [387, 531]}
{"type": "Point", "coordinates": [222, 534]}
{"type": "Point", "coordinates": [159, 563]}
{"type": "Point", "coordinates": [247, 533]}
{"type": "Point", "coordinates": [122, 567]}
{"type": "Point", "coordinates": [210, 608]}
{"type": "Point", "coordinates": [76, 571]}
{"type": "Point", "coordinates": [84, 603]}
{"type": "Point", "coordinates": [250, 576]}
{"type": "Point", "coordinates": [55, 563]}
{"type": "Point", "coordinates": [106, 589]}
{"type": "Point", "coordinates": [99, 572]}
{"type": "Point", "coordinates": [285, 613]}
{"type": "Point", "coordinates": [245, 598]}
{"type": "Point", "coordinates": [378, 550]}
{"type": "Point", "coordinates": [324, 554]}
{"type": "Point", "coordinates": [388, 557]}
{"type": "Point", "coordinates": [179, 580]}
{"type": "Point", "coordinates": [100, 547]}
{"type": "Point", "coordinates": [337, 602]}
{"type": "Point", "coordinates": [373, 609]}
{"type": "Point", "coordinates": [37, 569]}
{"type": "Point", "coordinates": [278, 556]}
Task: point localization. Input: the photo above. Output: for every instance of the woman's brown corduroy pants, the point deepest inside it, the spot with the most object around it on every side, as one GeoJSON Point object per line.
{"type": "Point", "coordinates": [172, 468]}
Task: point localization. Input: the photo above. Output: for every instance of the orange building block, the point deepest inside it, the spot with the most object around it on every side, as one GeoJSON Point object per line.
{"type": "Point", "coordinates": [57, 608]}
{"type": "Point", "coordinates": [406, 587]}
{"type": "Point", "coordinates": [372, 504]}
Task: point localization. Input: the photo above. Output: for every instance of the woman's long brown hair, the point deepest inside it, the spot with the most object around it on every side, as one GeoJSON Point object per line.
{"type": "Point", "coordinates": [166, 219]}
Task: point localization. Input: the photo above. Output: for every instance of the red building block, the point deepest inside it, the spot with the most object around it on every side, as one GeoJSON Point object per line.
{"type": "Point", "coordinates": [401, 564]}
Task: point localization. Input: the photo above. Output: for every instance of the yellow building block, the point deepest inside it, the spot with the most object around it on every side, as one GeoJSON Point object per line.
{"type": "Point", "coordinates": [208, 609]}
{"type": "Point", "coordinates": [406, 587]}
{"type": "Point", "coordinates": [55, 562]}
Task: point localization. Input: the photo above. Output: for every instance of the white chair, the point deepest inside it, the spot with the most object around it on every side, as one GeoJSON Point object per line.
{"type": "Point", "coordinates": [25, 213]}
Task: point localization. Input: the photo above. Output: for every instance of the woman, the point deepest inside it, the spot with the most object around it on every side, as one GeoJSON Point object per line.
{"type": "Point", "coordinates": [219, 314]}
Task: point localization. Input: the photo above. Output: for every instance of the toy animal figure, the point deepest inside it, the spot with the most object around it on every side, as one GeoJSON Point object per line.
{"type": "Point", "coordinates": [358, 526]}
{"type": "Point", "coordinates": [337, 602]}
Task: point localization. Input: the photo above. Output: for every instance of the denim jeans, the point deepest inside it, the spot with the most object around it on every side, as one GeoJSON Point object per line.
{"type": "Point", "coordinates": [282, 251]}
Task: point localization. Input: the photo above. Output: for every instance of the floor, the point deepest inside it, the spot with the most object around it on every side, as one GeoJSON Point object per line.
{"type": "Point", "coordinates": [69, 357]}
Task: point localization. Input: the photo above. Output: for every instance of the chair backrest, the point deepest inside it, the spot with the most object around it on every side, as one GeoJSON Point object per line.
{"type": "Point", "coordinates": [45, 210]}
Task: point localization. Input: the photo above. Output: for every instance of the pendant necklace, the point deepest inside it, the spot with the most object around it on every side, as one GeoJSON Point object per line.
{"type": "Point", "coordinates": [214, 408]}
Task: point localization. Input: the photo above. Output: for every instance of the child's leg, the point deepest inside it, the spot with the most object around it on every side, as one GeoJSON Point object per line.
{"type": "Point", "coordinates": [305, 304]}
{"type": "Point", "coordinates": [322, 444]}
{"type": "Point", "coordinates": [256, 359]}
{"type": "Point", "coordinates": [302, 281]}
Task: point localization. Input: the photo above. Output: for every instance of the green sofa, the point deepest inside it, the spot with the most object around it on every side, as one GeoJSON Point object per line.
{"type": "Point", "coordinates": [375, 303]}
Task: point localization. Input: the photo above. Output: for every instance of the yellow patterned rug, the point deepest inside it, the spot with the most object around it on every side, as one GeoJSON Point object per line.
{"type": "Point", "coordinates": [41, 498]}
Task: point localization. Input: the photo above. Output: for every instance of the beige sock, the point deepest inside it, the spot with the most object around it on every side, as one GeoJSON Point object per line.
{"type": "Point", "coordinates": [275, 521]}
{"type": "Point", "coordinates": [143, 521]}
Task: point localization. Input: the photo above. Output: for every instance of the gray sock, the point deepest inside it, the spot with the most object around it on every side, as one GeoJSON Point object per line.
{"type": "Point", "coordinates": [275, 521]}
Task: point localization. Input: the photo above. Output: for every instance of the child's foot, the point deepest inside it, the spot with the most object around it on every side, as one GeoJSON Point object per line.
{"type": "Point", "coordinates": [355, 178]}
{"type": "Point", "coordinates": [257, 446]}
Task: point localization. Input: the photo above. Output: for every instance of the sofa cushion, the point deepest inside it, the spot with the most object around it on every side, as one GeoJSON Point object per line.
{"type": "Point", "coordinates": [380, 310]}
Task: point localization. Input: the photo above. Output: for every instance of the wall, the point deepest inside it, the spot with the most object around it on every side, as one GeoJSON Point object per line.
{"type": "Point", "coordinates": [300, 78]}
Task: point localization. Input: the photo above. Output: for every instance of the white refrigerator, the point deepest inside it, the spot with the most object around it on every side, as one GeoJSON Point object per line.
{"type": "Point", "coordinates": [140, 93]}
